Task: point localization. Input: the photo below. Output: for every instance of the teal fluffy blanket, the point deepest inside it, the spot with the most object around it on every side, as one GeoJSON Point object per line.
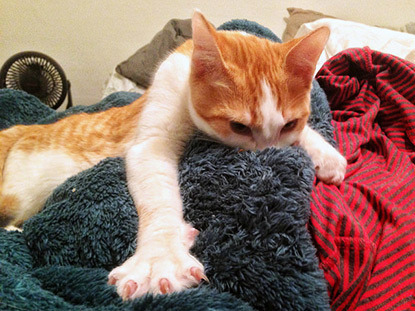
{"type": "Point", "coordinates": [251, 209]}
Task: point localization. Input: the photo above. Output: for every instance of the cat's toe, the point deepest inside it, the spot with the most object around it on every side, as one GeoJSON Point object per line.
{"type": "Point", "coordinates": [190, 236]}
{"type": "Point", "coordinates": [334, 177]}
{"type": "Point", "coordinates": [130, 287]}
{"type": "Point", "coordinates": [165, 286]}
{"type": "Point", "coordinates": [198, 274]}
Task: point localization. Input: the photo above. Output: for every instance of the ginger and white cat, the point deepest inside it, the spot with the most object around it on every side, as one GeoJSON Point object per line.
{"type": "Point", "coordinates": [240, 89]}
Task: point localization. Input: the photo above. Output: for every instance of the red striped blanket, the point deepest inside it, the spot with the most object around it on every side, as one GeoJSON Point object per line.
{"type": "Point", "coordinates": [364, 230]}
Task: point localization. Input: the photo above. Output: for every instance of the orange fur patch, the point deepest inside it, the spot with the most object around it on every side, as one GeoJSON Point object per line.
{"type": "Point", "coordinates": [86, 136]}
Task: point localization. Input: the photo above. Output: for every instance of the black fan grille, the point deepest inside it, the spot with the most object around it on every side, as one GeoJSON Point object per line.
{"type": "Point", "coordinates": [38, 75]}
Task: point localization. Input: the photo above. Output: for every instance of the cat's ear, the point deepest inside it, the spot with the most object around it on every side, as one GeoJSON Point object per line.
{"type": "Point", "coordinates": [206, 57]}
{"type": "Point", "coordinates": [301, 60]}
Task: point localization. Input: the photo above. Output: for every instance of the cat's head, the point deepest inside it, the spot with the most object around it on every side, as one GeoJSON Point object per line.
{"type": "Point", "coordinates": [248, 91]}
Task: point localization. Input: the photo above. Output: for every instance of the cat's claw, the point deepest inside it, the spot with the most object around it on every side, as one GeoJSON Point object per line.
{"type": "Point", "coordinates": [129, 289]}
{"type": "Point", "coordinates": [198, 274]}
{"type": "Point", "coordinates": [111, 280]}
{"type": "Point", "coordinates": [165, 286]}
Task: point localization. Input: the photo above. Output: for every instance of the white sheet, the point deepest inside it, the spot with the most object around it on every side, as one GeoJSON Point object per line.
{"type": "Point", "coordinates": [117, 83]}
{"type": "Point", "coordinates": [346, 34]}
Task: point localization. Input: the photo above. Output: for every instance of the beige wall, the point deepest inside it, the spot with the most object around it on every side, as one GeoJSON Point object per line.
{"type": "Point", "coordinates": [89, 38]}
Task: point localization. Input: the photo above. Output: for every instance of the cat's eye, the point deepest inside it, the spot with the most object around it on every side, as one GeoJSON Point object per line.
{"type": "Point", "coordinates": [290, 125]}
{"type": "Point", "coordinates": [240, 129]}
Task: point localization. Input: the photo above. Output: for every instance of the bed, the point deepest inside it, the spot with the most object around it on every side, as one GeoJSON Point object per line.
{"type": "Point", "coordinates": [268, 241]}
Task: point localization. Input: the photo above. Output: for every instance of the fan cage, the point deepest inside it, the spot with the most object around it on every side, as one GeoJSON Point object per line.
{"type": "Point", "coordinates": [37, 74]}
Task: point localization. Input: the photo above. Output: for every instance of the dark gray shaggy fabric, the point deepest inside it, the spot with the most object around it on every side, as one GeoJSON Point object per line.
{"type": "Point", "coordinates": [251, 209]}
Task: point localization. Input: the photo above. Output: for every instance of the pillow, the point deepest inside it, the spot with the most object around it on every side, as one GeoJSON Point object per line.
{"type": "Point", "coordinates": [347, 34]}
{"type": "Point", "coordinates": [296, 19]}
{"type": "Point", "coordinates": [140, 67]}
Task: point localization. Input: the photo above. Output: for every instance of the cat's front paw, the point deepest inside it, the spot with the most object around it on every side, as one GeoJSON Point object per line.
{"type": "Point", "coordinates": [330, 165]}
{"type": "Point", "coordinates": [156, 272]}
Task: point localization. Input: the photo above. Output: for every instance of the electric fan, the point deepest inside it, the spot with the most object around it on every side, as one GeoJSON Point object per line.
{"type": "Point", "coordinates": [36, 74]}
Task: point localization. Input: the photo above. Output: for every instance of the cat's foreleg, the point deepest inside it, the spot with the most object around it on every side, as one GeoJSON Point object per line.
{"type": "Point", "coordinates": [162, 262]}
{"type": "Point", "coordinates": [329, 164]}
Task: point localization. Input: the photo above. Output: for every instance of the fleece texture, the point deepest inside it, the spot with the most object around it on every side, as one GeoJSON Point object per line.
{"type": "Point", "coordinates": [251, 209]}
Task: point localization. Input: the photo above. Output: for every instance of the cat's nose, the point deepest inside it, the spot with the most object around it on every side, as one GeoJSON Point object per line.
{"type": "Point", "coordinates": [265, 141]}
{"type": "Point", "coordinates": [262, 144]}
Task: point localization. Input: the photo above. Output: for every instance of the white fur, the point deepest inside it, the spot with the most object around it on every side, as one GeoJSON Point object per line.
{"type": "Point", "coordinates": [152, 172]}
{"type": "Point", "coordinates": [32, 178]}
{"type": "Point", "coordinates": [164, 127]}
{"type": "Point", "coordinates": [272, 119]}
